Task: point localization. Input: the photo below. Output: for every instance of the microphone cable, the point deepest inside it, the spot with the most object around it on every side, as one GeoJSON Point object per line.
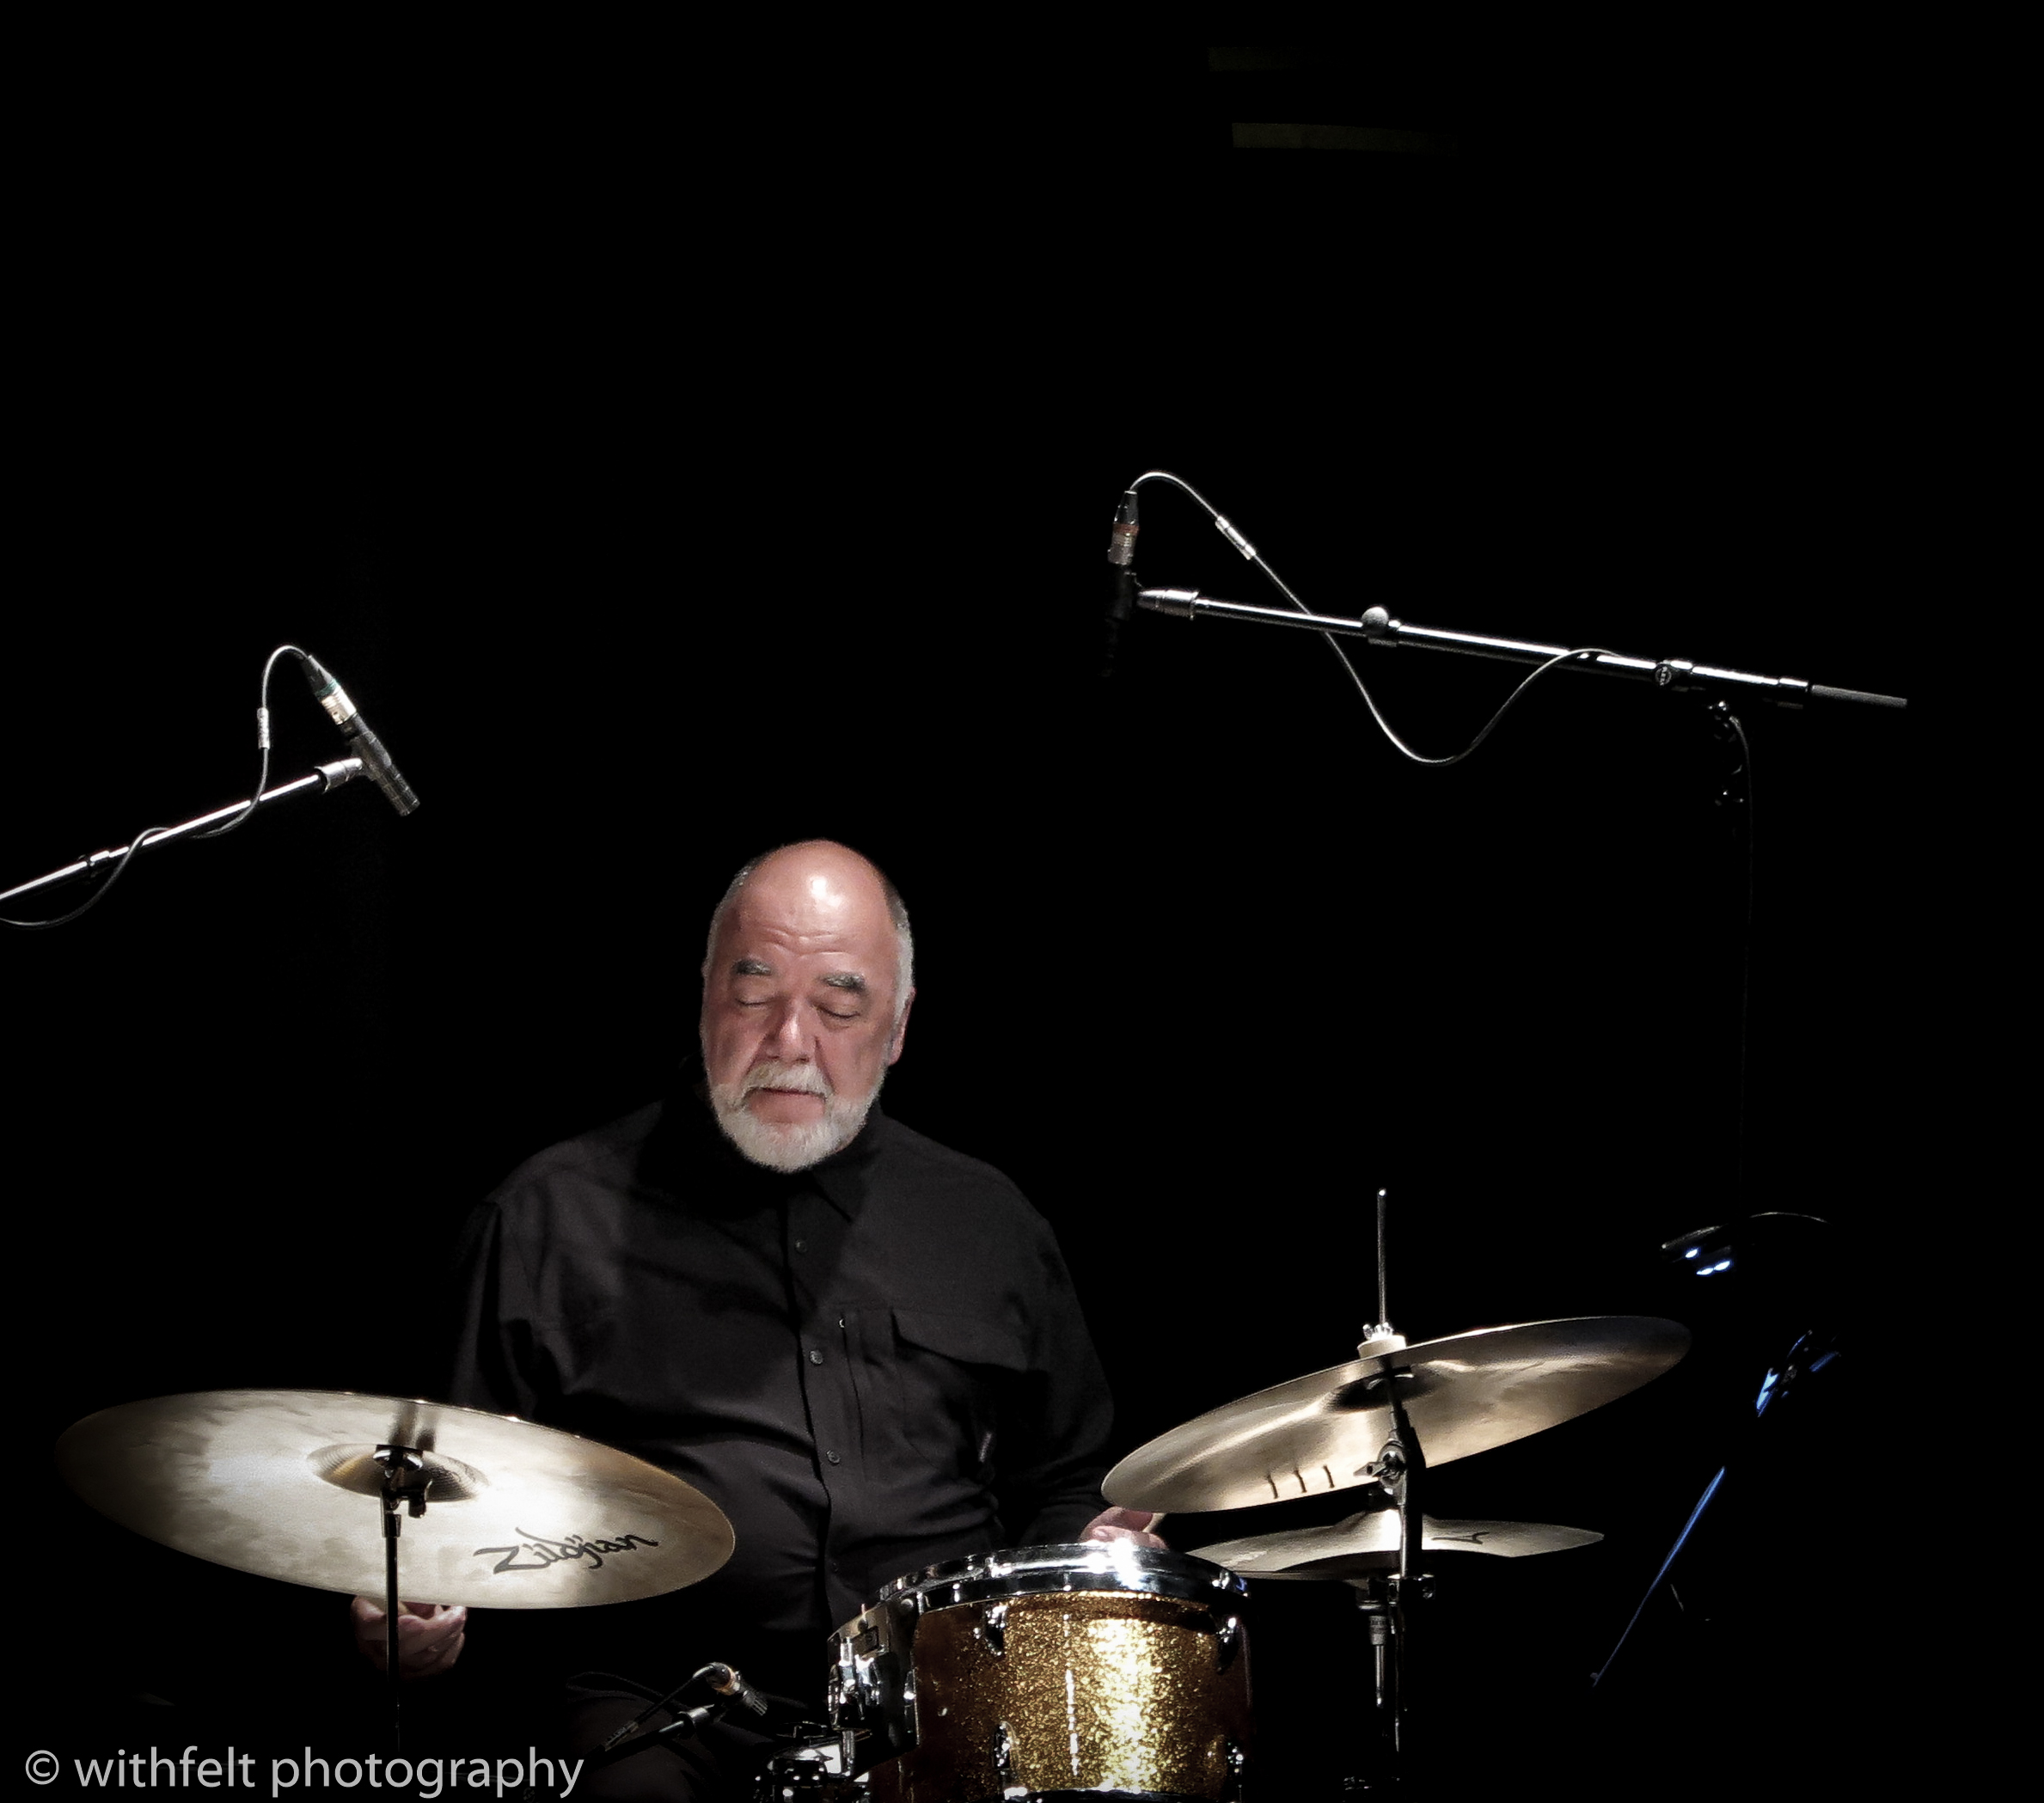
{"type": "Point", "coordinates": [1228, 531]}
{"type": "Point", "coordinates": [104, 885]}
{"type": "Point", "coordinates": [1737, 794]}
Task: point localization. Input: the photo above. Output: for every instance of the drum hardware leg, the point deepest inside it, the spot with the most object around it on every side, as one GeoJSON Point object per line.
{"type": "Point", "coordinates": [404, 1484]}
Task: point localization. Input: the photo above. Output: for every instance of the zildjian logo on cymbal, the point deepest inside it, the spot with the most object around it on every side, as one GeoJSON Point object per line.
{"type": "Point", "coordinates": [547, 1552]}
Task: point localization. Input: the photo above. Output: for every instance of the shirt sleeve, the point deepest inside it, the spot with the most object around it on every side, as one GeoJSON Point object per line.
{"type": "Point", "coordinates": [493, 1365]}
{"type": "Point", "coordinates": [1060, 1416]}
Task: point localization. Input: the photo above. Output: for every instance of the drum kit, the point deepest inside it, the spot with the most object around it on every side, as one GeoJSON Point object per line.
{"type": "Point", "coordinates": [1108, 1669]}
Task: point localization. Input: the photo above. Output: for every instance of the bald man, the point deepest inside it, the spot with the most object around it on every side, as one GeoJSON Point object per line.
{"type": "Point", "coordinates": [863, 1346]}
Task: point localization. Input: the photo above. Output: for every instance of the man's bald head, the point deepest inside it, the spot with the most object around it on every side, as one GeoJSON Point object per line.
{"type": "Point", "coordinates": [811, 871]}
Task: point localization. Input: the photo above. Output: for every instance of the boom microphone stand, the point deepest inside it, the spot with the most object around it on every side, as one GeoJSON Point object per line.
{"type": "Point", "coordinates": [1378, 629]}
{"type": "Point", "coordinates": [322, 778]}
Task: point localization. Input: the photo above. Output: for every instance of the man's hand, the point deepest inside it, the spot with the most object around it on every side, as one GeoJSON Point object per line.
{"type": "Point", "coordinates": [429, 1635]}
{"type": "Point", "coordinates": [1129, 1524]}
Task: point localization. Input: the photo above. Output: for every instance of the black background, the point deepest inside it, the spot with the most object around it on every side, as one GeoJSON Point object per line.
{"type": "Point", "coordinates": [675, 457]}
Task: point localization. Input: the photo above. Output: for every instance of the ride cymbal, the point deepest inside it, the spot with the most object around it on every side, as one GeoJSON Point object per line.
{"type": "Point", "coordinates": [1465, 1393]}
{"type": "Point", "coordinates": [285, 1483]}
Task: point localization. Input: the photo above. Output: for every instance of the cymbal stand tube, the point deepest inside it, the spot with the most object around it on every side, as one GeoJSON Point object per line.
{"type": "Point", "coordinates": [404, 1488]}
{"type": "Point", "coordinates": [1383, 1270]}
{"type": "Point", "coordinates": [1384, 1601]}
{"type": "Point", "coordinates": [1373, 1599]}
{"type": "Point", "coordinates": [1381, 1335]}
{"type": "Point", "coordinates": [1401, 1467]}
{"type": "Point", "coordinates": [393, 1525]}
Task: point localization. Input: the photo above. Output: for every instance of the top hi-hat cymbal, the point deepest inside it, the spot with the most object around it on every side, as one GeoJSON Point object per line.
{"type": "Point", "coordinates": [1466, 1394]}
{"type": "Point", "coordinates": [1369, 1542]}
{"type": "Point", "coordinates": [285, 1483]}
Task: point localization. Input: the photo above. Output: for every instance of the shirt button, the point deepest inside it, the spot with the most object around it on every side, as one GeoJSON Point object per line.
{"type": "Point", "coordinates": [815, 1357]}
{"type": "Point", "coordinates": [801, 1246]}
{"type": "Point", "coordinates": [832, 1457]}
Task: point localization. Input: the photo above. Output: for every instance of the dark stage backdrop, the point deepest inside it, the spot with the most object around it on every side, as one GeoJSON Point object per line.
{"type": "Point", "coordinates": [645, 550]}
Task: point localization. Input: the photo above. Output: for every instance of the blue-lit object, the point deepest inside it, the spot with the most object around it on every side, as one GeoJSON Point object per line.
{"type": "Point", "coordinates": [1788, 1271]}
{"type": "Point", "coordinates": [1696, 1515]}
{"type": "Point", "coordinates": [1778, 1250]}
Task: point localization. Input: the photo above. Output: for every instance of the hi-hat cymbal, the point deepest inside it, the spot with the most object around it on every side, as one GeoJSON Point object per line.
{"type": "Point", "coordinates": [1368, 1542]}
{"type": "Point", "coordinates": [1466, 1394]}
{"type": "Point", "coordinates": [285, 1483]}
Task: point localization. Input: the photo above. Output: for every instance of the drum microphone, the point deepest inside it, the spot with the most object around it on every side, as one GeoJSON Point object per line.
{"type": "Point", "coordinates": [376, 761]}
{"type": "Point", "coordinates": [732, 1691]}
{"type": "Point", "coordinates": [1120, 553]}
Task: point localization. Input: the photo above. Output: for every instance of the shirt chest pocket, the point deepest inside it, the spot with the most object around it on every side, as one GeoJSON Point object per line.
{"type": "Point", "coordinates": [945, 1378]}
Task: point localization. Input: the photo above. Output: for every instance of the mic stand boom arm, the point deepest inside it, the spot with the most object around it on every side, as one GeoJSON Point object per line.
{"type": "Point", "coordinates": [1381, 629]}
{"type": "Point", "coordinates": [323, 778]}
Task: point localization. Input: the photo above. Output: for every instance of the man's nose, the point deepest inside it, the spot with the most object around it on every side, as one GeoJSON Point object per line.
{"type": "Point", "coordinates": [786, 1040]}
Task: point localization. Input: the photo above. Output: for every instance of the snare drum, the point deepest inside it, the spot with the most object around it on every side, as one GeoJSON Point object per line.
{"type": "Point", "coordinates": [1114, 1670]}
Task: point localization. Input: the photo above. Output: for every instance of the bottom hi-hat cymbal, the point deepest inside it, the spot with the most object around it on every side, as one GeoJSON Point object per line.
{"type": "Point", "coordinates": [1367, 1543]}
{"type": "Point", "coordinates": [1464, 1394]}
{"type": "Point", "coordinates": [285, 1483]}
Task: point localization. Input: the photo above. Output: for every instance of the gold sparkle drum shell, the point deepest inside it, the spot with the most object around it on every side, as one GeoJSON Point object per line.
{"type": "Point", "coordinates": [1108, 1671]}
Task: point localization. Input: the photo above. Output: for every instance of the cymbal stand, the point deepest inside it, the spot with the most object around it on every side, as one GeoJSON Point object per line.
{"type": "Point", "coordinates": [1387, 1602]}
{"type": "Point", "coordinates": [403, 1492]}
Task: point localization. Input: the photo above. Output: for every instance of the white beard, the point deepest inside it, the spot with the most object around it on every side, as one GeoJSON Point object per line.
{"type": "Point", "coordinates": [789, 1144]}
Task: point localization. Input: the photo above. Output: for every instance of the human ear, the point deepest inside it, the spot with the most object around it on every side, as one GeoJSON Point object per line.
{"type": "Point", "coordinates": [901, 1029]}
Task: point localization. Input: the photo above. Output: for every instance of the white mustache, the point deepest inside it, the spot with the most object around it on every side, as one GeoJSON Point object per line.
{"type": "Point", "coordinates": [806, 1079]}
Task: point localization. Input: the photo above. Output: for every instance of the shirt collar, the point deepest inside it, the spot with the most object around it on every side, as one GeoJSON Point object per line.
{"type": "Point", "coordinates": [845, 1177]}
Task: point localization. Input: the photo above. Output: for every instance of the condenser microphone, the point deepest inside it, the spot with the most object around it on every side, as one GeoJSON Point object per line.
{"type": "Point", "coordinates": [1121, 556]}
{"type": "Point", "coordinates": [376, 761]}
{"type": "Point", "coordinates": [1121, 542]}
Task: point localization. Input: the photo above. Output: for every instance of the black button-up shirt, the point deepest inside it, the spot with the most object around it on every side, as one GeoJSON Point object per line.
{"type": "Point", "coordinates": [869, 1365]}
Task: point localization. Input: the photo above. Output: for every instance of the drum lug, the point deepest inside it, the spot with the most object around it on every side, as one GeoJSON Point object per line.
{"type": "Point", "coordinates": [1228, 1643]}
{"type": "Point", "coordinates": [1004, 1759]}
{"type": "Point", "coordinates": [992, 1629]}
{"type": "Point", "coordinates": [872, 1685]}
{"type": "Point", "coordinates": [1236, 1759]}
